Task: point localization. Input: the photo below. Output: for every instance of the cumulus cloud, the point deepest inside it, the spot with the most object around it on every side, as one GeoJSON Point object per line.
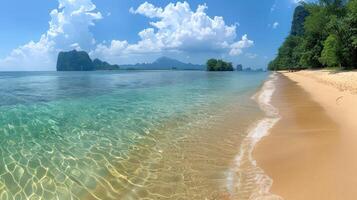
{"type": "Point", "coordinates": [147, 9]}
{"type": "Point", "coordinates": [68, 29]}
{"type": "Point", "coordinates": [237, 47]}
{"type": "Point", "coordinates": [275, 25]}
{"type": "Point", "coordinates": [175, 28]}
{"type": "Point", "coordinates": [178, 28]}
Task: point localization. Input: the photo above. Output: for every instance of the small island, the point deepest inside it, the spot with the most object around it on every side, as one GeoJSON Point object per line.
{"type": "Point", "coordinates": [80, 61]}
{"type": "Point", "coordinates": [219, 65]}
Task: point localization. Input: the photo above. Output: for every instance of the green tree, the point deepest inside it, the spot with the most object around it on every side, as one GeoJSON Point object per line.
{"type": "Point", "coordinates": [288, 56]}
{"type": "Point", "coordinates": [323, 34]}
{"type": "Point", "coordinates": [330, 55]}
{"type": "Point", "coordinates": [352, 21]}
{"type": "Point", "coordinates": [349, 50]}
{"type": "Point", "coordinates": [315, 34]}
{"type": "Point", "coordinates": [219, 65]}
{"type": "Point", "coordinates": [333, 7]}
{"type": "Point", "coordinates": [211, 64]}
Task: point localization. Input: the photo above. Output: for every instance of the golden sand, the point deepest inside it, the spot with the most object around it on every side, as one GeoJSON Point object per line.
{"type": "Point", "coordinates": [342, 80]}
{"type": "Point", "coordinates": [311, 152]}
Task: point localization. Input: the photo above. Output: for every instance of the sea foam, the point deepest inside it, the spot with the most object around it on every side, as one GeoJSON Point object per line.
{"type": "Point", "coordinates": [245, 180]}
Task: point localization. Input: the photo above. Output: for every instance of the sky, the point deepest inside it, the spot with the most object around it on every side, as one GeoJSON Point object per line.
{"type": "Point", "coordinates": [247, 32]}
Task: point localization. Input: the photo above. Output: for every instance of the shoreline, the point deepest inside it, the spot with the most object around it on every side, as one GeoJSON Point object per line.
{"type": "Point", "coordinates": [244, 164]}
{"type": "Point", "coordinates": [309, 153]}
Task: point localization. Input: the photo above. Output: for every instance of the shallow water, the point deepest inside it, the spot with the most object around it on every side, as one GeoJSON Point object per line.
{"type": "Point", "coordinates": [125, 135]}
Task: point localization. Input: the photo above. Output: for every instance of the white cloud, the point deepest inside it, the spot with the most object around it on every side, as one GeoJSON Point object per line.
{"type": "Point", "coordinates": [177, 29]}
{"type": "Point", "coordinates": [147, 9]}
{"type": "Point", "coordinates": [275, 25]}
{"type": "Point", "coordinates": [68, 29]}
{"type": "Point", "coordinates": [174, 29]}
{"type": "Point", "coordinates": [237, 47]}
{"type": "Point", "coordinates": [115, 48]}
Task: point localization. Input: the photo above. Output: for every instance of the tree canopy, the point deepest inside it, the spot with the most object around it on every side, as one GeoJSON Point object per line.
{"type": "Point", "coordinates": [323, 34]}
{"type": "Point", "coordinates": [219, 65]}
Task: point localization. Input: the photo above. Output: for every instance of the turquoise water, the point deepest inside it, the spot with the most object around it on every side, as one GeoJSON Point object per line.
{"type": "Point", "coordinates": [121, 135]}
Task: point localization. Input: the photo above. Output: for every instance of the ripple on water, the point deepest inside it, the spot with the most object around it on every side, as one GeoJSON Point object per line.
{"type": "Point", "coordinates": [165, 142]}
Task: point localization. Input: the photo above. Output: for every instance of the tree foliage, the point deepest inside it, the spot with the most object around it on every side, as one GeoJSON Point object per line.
{"type": "Point", "coordinates": [218, 65]}
{"type": "Point", "coordinates": [330, 52]}
{"type": "Point", "coordinates": [323, 34]}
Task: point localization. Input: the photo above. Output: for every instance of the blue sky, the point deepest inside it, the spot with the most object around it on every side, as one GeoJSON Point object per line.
{"type": "Point", "coordinates": [247, 32]}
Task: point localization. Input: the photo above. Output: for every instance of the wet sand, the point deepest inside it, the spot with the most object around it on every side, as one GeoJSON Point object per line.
{"type": "Point", "coordinates": [311, 152]}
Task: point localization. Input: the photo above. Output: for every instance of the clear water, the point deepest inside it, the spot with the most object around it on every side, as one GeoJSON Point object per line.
{"type": "Point", "coordinates": [123, 135]}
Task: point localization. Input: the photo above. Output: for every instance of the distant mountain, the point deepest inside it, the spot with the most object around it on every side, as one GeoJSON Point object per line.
{"type": "Point", "coordinates": [80, 61]}
{"type": "Point", "coordinates": [102, 65]}
{"type": "Point", "coordinates": [164, 63]}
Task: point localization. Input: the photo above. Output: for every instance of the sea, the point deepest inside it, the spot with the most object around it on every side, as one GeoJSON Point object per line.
{"type": "Point", "coordinates": [134, 134]}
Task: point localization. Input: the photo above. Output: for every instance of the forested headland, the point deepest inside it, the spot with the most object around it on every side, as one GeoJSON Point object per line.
{"type": "Point", "coordinates": [323, 34]}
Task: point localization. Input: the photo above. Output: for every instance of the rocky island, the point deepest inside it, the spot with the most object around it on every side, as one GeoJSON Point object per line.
{"type": "Point", "coordinates": [80, 61]}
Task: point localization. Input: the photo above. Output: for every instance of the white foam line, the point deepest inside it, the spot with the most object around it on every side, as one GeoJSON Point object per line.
{"type": "Point", "coordinates": [255, 134]}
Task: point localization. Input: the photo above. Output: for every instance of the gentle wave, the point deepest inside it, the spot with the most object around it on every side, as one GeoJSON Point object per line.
{"type": "Point", "coordinates": [245, 180]}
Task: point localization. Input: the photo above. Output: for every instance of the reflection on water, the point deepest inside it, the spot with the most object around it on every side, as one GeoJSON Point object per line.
{"type": "Point", "coordinates": [127, 135]}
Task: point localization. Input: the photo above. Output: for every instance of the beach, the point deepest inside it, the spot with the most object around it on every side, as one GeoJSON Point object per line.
{"type": "Point", "coordinates": [310, 152]}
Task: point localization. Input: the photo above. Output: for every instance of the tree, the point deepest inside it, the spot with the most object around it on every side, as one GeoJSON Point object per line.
{"type": "Point", "coordinates": [211, 64]}
{"type": "Point", "coordinates": [330, 52]}
{"type": "Point", "coordinates": [311, 48]}
{"type": "Point", "coordinates": [314, 36]}
{"type": "Point", "coordinates": [323, 34]}
{"type": "Point", "coordinates": [288, 57]}
{"type": "Point", "coordinates": [349, 50]}
{"type": "Point", "coordinates": [219, 65]}
{"type": "Point", "coordinates": [333, 7]}
{"type": "Point", "coordinates": [352, 21]}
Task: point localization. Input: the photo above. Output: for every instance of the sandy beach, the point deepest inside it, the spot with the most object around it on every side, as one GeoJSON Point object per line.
{"type": "Point", "coordinates": [311, 152]}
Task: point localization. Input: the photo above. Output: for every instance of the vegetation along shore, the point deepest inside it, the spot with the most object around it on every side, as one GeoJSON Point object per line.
{"type": "Point", "coordinates": [323, 34]}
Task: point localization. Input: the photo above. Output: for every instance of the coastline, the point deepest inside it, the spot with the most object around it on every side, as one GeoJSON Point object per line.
{"type": "Point", "coordinates": [245, 173]}
{"type": "Point", "coordinates": [310, 152]}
